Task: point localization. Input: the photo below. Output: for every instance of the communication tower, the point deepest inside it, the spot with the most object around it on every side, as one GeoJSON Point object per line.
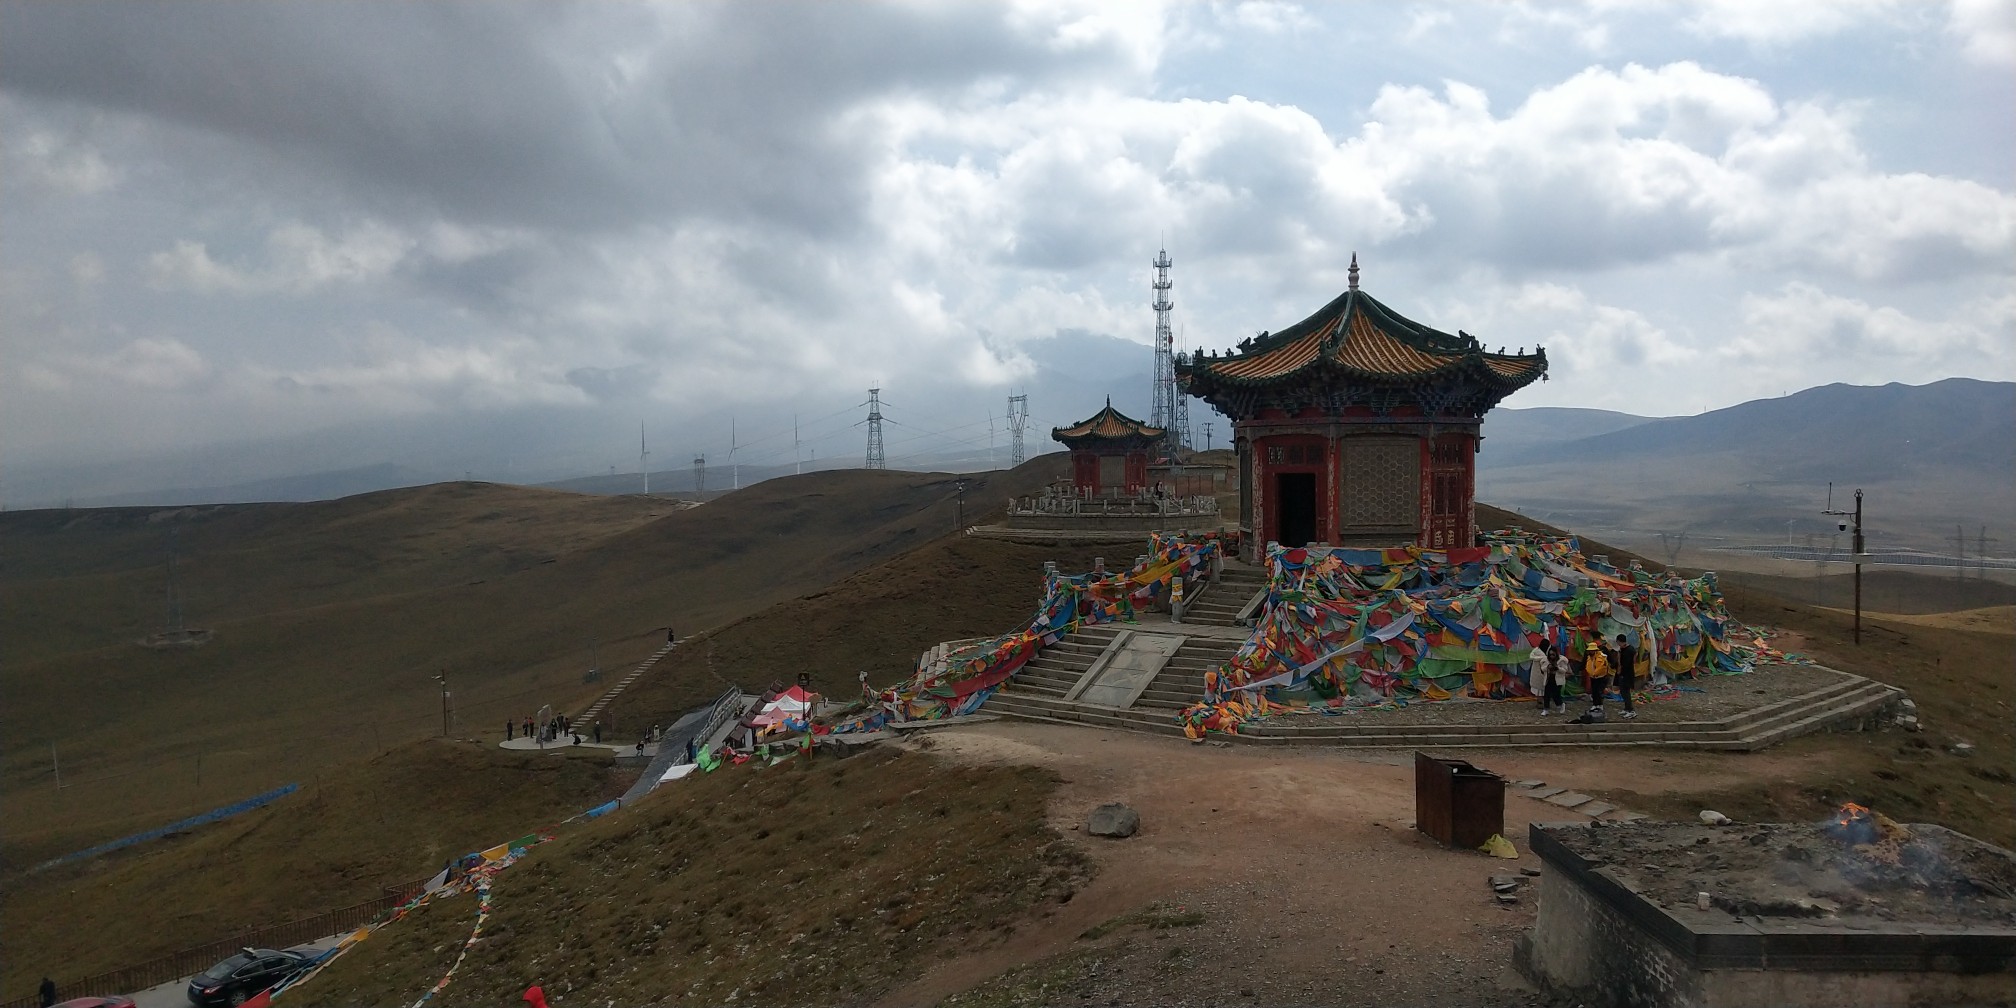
{"type": "Point", "coordinates": [1171, 411]}
{"type": "Point", "coordinates": [699, 473]}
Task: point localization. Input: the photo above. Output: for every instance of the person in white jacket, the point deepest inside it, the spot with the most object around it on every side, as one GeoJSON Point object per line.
{"type": "Point", "coordinates": [1550, 674]}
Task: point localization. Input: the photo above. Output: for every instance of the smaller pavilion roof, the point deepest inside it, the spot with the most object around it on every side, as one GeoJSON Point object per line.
{"type": "Point", "coordinates": [1107, 425]}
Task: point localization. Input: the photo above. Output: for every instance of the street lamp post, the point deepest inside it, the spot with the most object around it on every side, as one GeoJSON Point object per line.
{"type": "Point", "coordinates": [1858, 548]}
{"type": "Point", "coordinates": [961, 485]}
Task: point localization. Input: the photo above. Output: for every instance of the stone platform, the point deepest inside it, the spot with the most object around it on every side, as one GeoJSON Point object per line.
{"type": "Point", "coordinates": [1095, 677]}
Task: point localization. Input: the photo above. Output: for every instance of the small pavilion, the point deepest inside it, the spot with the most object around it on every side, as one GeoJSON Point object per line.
{"type": "Point", "coordinates": [1109, 452]}
{"type": "Point", "coordinates": [1357, 426]}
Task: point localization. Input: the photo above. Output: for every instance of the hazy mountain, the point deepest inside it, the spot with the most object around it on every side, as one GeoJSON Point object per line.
{"type": "Point", "coordinates": [306, 487]}
{"type": "Point", "coordinates": [1839, 432]}
{"type": "Point", "coordinates": [1933, 460]}
{"type": "Point", "coordinates": [1511, 432]}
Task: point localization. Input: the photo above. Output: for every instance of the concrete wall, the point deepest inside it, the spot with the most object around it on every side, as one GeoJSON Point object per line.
{"type": "Point", "coordinates": [1582, 948]}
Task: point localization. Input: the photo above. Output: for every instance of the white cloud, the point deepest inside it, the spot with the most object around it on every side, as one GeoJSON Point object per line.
{"type": "Point", "coordinates": [1800, 325]}
{"type": "Point", "coordinates": [1271, 17]}
{"type": "Point", "coordinates": [155, 363]}
{"type": "Point", "coordinates": [299, 258]}
{"type": "Point", "coordinates": [65, 163]}
{"type": "Point", "coordinates": [1986, 29]}
{"type": "Point", "coordinates": [1642, 164]}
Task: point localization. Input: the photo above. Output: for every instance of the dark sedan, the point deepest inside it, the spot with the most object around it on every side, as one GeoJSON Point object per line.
{"type": "Point", "coordinates": [240, 978]}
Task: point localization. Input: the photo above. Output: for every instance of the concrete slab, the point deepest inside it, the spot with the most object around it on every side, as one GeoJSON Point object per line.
{"type": "Point", "coordinates": [1624, 816]}
{"type": "Point", "coordinates": [1569, 799]}
{"type": "Point", "coordinates": [1529, 784]}
{"type": "Point", "coordinates": [1128, 670]}
{"type": "Point", "coordinates": [1595, 808]}
{"type": "Point", "coordinates": [1545, 792]}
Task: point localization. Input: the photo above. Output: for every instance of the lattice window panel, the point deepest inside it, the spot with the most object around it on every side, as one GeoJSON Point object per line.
{"type": "Point", "coordinates": [1382, 482]}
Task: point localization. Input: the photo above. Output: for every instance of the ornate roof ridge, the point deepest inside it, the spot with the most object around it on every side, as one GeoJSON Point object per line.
{"type": "Point", "coordinates": [1113, 422]}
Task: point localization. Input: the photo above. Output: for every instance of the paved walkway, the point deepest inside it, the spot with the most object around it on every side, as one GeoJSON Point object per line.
{"type": "Point", "coordinates": [620, 748]}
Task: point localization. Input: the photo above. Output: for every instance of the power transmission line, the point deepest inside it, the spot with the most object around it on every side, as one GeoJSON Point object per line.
{"type": "Point", "coordinates": [1018, 418]}
{"type": "Point", "coordinates": [875, 459]}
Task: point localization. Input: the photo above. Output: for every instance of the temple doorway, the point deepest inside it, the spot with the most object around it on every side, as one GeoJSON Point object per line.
{"type": "Point", "coordinates": [1295, 509]}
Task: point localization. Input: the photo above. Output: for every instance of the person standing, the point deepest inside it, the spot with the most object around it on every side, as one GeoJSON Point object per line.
{"type": "Point", "coordinates": [598, 731]}
{"type": "Point", "coordinates": [48, 992]}
{"type": "Point", "coordinates": [1627, 672]}
{"type": "Point", "coordinates": [508, 727]}
{"type": "Point", "coordinates": [1551, 674]}
{"type": "Point", "coordinates": [1596, 669]}
{"type": "Point", "coordinates": [670, 638]}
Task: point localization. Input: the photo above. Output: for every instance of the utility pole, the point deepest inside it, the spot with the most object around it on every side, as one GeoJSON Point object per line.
{"type": "Point", "coordinates": [1959, 553]}
{"type": "Point", "coordinates": [699, 473]}
{"type": "Point", "coordinates": [1018, 418]}
{"type": "Point", "coordinates": [443, 680]}
{"type": "Point", "coordinates": [1207, 435]}
{"type": "Point", "coordinates": [1858, 548]}
{"type": "Point", "coordinates": [734, 468]}
{"type": "Point", "coordinates": [875, 459]}
{"type": "Point", "coordinates": [1981, 553]}
{"type": "Point", "coordinates": [644, 459]}
{"type": "Point", "coordinates": [961, 500]}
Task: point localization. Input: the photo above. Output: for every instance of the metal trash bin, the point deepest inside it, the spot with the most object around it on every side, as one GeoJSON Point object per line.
{"type": "Point", "coordinates": [1456, 803]}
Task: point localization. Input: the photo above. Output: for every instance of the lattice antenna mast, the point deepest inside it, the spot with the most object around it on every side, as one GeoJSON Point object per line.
{"type": "Point", "coordinates": [699, 473]}
{"type": "Point", "coordinates": [1018, 419]}
{"type": "Point", "coordinates": [875, 458]}
{"type": "Point", "coordinates": [1164, 413]}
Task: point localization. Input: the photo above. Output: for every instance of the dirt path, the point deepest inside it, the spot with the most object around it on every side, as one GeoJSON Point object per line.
{"type": "Point", "coordinates": [1312, 884]}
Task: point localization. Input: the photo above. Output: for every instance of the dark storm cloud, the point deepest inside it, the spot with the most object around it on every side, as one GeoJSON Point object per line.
{"type": "Point", "coordinates": [548, 115]}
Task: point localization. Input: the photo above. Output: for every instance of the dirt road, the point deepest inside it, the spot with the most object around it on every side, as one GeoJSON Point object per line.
{"type": "Point", "coordinates": [1271, 876]}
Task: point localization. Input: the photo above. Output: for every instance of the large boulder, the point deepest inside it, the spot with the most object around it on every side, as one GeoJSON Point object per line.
{"type": "Point", "coordinates": [1113, 820]}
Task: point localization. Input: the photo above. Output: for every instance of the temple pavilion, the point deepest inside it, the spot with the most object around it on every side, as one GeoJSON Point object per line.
{"type": "Point", "coordinates": [1110, 452]}
{"type": "Point", "coordinates": [1357, 426]}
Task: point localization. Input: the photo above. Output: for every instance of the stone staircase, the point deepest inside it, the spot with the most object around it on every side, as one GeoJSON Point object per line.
{"type": "Point", "coordinates": [587, 717]}
{"type": "Point", "coordinates": [1220, 604]}
{"type": "Point", "coordinates": [1850, 700]}
{"type": "Point", "coordinates": [1181, 681]}
{"type": "Point", "coordinates": [1038, 693]}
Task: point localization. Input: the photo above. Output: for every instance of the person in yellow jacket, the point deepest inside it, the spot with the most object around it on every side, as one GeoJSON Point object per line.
{"type": "Point", "coordinates": [1596, 670]}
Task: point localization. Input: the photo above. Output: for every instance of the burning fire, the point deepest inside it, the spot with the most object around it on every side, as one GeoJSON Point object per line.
{"type": "Point", "coordinates": [1862, 826]}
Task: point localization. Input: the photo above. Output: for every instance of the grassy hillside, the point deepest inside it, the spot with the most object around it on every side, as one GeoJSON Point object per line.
{"type": "Point", "coordinates": [827, 882]}
{"type": "Point", "coordinates": [332, 620]}
{"type": "Point", "coordinates": [878, 620]}
{"type": "Point", "coordinates": [396, 817]}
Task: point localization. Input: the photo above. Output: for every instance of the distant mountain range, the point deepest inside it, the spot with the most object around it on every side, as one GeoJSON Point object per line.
{"type": "Point", "coordinates": [1933, 459]}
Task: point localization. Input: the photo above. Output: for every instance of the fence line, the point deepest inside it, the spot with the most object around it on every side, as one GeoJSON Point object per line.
{"type": "Point", "coordinates": [194, 960]}
{"type": "Point", "coordinates": [235, 808]}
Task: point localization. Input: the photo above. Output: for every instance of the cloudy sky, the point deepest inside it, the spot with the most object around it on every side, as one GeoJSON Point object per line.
{"type": "Point", "coordinates": [224, 224]}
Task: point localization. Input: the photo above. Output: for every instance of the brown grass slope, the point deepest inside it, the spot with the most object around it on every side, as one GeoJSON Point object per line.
{"type": "Point", "coordinates": [307, 678]}
{"type": "Point", "coordinates": [878, 620]}
{"type": "Point", "coordinates": [338, 842]}
{"type": "Point", "coordinates": [824, 883]}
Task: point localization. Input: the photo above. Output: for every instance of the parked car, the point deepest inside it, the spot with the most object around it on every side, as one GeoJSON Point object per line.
{"type": "Point", "coordinates": [97, 1002]}
{"type": "Point", "coordinates": [238, 979]}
